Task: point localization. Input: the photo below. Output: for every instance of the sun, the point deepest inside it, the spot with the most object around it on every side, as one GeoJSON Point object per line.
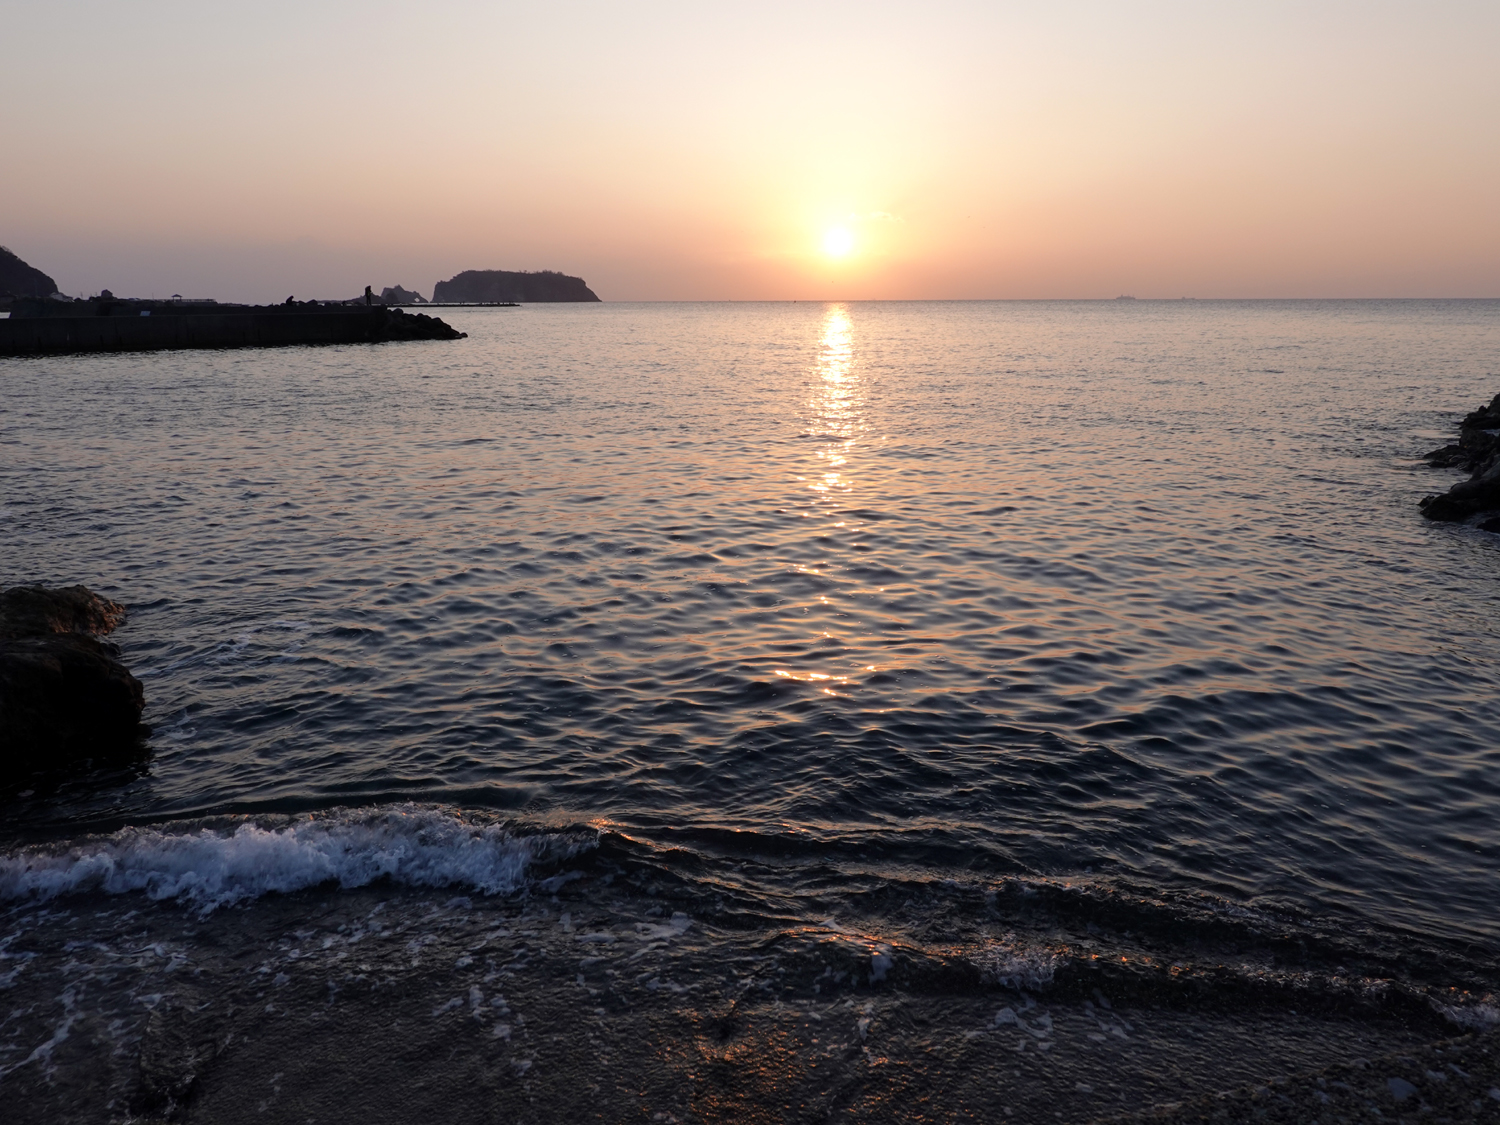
{"type": "Point", "coordinates": [838, 242]}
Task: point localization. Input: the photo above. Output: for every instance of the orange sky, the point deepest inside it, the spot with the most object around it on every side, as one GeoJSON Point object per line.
{"type": "Point", "coordinates": [691, 151]}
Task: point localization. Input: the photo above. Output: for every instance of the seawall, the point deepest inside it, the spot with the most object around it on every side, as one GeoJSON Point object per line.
{"type": "Point", "coordinates": [56, 335]}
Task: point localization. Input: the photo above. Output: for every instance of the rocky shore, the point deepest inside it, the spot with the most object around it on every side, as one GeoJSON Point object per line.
{"type": "Point", "coordinates": [65, 698]}
{"type": "Point", "coordinates": [1477, 450]}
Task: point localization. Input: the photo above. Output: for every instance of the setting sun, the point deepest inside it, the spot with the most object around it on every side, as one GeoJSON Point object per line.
{"type": "Point", "coordinates": [838, 242]}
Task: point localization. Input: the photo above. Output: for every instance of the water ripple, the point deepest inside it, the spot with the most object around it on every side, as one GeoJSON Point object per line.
{"type": "Point", "coordinates": [1031, 587]}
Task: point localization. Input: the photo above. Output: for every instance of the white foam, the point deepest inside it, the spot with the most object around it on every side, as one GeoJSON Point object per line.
{"type": "Point", "coordinates": [1478, 1016]}
{"type": "Point", "coordinates": [210, 868]}
{"type": "Point", "coordinates": [1014, 967]}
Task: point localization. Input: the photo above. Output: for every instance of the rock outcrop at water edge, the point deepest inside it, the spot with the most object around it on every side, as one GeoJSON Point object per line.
{"type": "Point", "coordinates": [65, 698]}
{"type": "Point", "coordinates": [1478, 450]}
{"type": "Point", "coordinates": [397, 295]}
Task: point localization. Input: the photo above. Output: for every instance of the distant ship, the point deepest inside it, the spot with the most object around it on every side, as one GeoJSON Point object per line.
{"type": "Point", "coordinates": [1124, 297]}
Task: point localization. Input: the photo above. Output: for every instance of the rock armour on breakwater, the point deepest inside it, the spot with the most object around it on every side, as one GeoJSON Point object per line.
{"type": "Point", "coordinates": [1478, 450]}
{"type": "Point", "coordinates": [65, 698]}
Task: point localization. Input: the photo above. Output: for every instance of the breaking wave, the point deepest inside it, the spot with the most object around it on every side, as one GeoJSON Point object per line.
{"type": "Point", "coordinates": [217, 866]}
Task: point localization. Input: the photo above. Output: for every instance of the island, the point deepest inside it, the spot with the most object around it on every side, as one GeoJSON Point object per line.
{"type": "Point", "coordinates": [498, 286]}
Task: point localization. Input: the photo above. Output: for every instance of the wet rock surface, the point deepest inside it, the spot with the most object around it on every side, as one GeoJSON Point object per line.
{"type": "Point", "coordinates": [65, 698]}
{"type": "Point", "coordinates": [614, 1003]}
{"type": "Point", "coordinates": [1452, 1080]}
{"type": "Point", "coordinates": [35, 611]}
{"type": "Point", "coordinates": [1477, 450]}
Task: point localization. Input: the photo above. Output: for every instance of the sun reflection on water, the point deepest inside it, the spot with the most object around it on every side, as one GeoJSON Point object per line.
{"type": "Point", "coordinates": [835, 418]}
{"type": "Point", "coordinates": [835, 406]}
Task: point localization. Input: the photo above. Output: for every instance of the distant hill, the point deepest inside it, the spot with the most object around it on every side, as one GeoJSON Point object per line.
{"type": "Point", "coordinates": [17, 279]}
{"type": "Point", "coordinates": [509, 285]}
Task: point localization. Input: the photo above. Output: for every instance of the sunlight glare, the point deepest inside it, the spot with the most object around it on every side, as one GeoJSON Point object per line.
{"type": "Point", "coordinates": [838, 242]}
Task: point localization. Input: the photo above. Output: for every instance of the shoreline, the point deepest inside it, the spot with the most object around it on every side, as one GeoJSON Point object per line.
{"type": "Point", "coordinates": [618, 982]}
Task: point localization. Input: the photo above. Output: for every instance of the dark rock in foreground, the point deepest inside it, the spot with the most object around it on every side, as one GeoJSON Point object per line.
{"type": "Point", "coordinates": [492, 286]}
{"type": "Point", "coordinates": [65, 697]}
{"type": "Point", "coordinates": [38, 327]}
{"type": "Point", "coordinates": [1478, 450]}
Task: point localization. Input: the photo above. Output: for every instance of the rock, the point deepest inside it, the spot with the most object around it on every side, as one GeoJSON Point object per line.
{"type": "Point", "coordinates": [1478, 450]}
{"type": "Point", "coordinates": [401, 325]}
{"type": "Point", "coordinates": [396, 295]}
{"type": "Point", "coordinates": [1478, 440]}
{"type": "Point", "coordinates": [35, 611]}
{"type": "Point", "coordinates": [1480, 493]}
{"type": "Point", "coordinates": [1446, 457]}
{"type": "Point", "coordinates": [1485, 418]}
{"type": "Point", "coordinates": [1400, 1088]}
{"type": "Point", "coordinates": [65, 698]}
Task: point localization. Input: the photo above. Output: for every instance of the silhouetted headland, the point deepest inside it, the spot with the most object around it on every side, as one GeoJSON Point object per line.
{"type": "Point", "coordinates": [109, 324]}
{"type": "Point", "coordinates": [17, 279]}
{"type": "Point", "coordinates": [1478, 450]}
{"type": "Point", "coordinates": [494, 286]}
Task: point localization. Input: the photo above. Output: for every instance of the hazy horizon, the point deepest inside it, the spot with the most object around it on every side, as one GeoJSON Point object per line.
{"type": "Point", "coordinates": [838, 152]}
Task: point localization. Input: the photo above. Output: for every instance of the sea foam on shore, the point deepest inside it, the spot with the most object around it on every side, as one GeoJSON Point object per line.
{"type": "Point", "coordinates": [213, 867]}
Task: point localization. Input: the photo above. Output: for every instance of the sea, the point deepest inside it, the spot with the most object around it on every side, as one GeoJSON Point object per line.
{"type": "Point", "coordinates": [934, 711]}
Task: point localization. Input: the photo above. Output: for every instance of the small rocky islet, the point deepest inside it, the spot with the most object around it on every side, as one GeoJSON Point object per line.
{"type": "Point", "coordinates": [1477, 450]}
{"type": "Point", "coordinates": [66, 700]}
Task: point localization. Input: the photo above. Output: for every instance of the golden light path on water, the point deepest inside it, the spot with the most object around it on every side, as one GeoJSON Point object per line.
{"type": "Point", "coordinates": [834, 414]}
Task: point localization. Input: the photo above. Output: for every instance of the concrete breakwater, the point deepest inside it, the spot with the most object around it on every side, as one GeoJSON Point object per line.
{"type": "Point", "coordinates": [97, 327]}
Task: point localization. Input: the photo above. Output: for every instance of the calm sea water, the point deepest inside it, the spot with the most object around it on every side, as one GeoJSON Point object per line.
{"type": "Point", "coordinates": [1132, 589]}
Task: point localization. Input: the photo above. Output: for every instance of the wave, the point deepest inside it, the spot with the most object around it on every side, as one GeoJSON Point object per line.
{"type": "Point", "coordinates": [218, 866]}
{"type": "Point", "coordinates": [926, 933]}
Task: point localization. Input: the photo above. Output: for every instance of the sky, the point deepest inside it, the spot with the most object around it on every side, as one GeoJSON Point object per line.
{"type": "Point", "coordinates": [738, 151]}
